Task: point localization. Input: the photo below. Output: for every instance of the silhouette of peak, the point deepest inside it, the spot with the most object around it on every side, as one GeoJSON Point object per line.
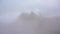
{"type": "Point", "coordinates": [27, 16]}
{"type": "Point", "coordinates": [32, 12]}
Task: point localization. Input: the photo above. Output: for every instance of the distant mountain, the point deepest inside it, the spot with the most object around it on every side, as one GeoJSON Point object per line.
{"type": "Point", "coordinates": [33, 24]}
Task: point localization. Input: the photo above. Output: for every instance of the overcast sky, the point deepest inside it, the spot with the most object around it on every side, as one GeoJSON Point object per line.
{"type": "Point", "coordinates": [9, 9]}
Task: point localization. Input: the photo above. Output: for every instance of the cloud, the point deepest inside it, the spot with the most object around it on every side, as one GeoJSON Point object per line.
{"type": "Point", "coordinates": [13, 7]}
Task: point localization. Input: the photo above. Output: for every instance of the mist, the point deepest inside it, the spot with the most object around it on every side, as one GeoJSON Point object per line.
{"type": "Point", "coordinates": [11, 8]}
{"type": "Point", "coordinates": [32, 23]}
{"type": "Point", "coordinates": [29, 17]}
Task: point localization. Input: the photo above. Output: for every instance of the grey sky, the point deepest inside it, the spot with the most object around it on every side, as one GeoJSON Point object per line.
{"type": "Point", "coordinates": [11, 8]}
